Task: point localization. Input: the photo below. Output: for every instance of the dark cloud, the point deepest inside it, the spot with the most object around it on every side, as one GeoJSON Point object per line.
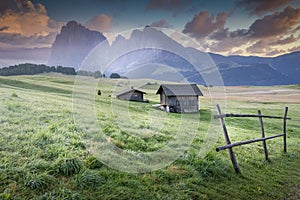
{"type": "Point", "coordinates": [19, 40]}
{"type": "Point", "coordinates": [278, 23]}
{"type": "Point", "coordinates": [15, 39]}
{"type": "Point", "coordinates": [6, 5]}
{"type": "Point", "coordinates": [224, 33]}
{"type": "Point", "coordinates": [220, 34]}
{"type": "Point", "coordinates": [263, 37]}
{"type": "Point", "coordinates": [13, 56]}
{"type": "Point", "coordinates": [203, 24]}
{"type": "Point", "coordinates": [20, 6]}
{"type": "Point", "coordinates": [3, 28]}
{"type": "Point", "coordinates": [161, 23]}
{"type": "Point", "coordinates": [174, 6]}
{"type": "Point", "coordinates": [259, 7]}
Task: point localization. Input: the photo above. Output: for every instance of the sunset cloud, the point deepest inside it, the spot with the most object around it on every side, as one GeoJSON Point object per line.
{"type": "Point", "coordinates": [100, 23]}
{"type": "Point", "coordinates": [259, 7]}
{"type": "Point", "coordinates": [203, 24]}
{"type": "Point", "coordinates": [275, 52]}
{"type": "Point", "coordinates": [296, 48]}
{"type": "Point", "coordinates": [287, 40]}
{"type": "Point", "coordinates": [247, 27]}
{"type": "Point", "coordinates": [265, 36]}
{"type": "Point", "coordinates": [161, 23]}
{"type": "Point", "coordinates": [260, 46]}
{"type": "Point", "coordinates": [28, 21]}
{"type": "Point", "coordinates": [25, 24]}
{"type": "Point", "coordinates": [278, 23]}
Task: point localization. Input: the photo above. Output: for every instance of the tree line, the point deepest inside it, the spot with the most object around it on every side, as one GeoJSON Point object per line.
{"type": "Point", "coordinates": [31, 69]}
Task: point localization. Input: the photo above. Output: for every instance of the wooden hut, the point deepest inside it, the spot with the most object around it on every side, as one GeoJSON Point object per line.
{"type": "Point", "coordinates": [181, 98]}
{"type": "Point", "coordinates": [131, 95]}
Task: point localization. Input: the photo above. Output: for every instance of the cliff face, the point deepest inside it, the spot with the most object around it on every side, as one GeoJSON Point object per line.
{"type": "Point", "coordinates": [73, 44]}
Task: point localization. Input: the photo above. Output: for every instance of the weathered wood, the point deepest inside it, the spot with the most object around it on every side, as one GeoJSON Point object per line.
{"type": "Point", "coordinates": [248, 115]}
{"type": "Point", "coordinates": [247, 142]}
{"type": "Point", "coordinates": [263, 135]}
{"type": "Point", "coordinates": [230, 151]}
{"type": "Point", "coordinates": [284, 129]}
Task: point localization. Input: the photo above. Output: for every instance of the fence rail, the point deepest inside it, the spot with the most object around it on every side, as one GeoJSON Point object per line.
{"type": "Point", "coordinates": [248, 115]}
{"type": "Point", "coordinates": [230, 145]}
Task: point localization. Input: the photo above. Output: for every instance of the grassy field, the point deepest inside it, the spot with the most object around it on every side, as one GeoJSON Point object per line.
{"type": "Point", "coordinates": [45, 154]}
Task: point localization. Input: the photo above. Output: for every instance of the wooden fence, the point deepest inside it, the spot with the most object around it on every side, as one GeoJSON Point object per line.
{"type": "Point", "coordinates": [230, 145]}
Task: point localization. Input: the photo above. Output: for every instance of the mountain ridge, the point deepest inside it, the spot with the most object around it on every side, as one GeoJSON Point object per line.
{"type": "Point", "coordinates": [234, 69]}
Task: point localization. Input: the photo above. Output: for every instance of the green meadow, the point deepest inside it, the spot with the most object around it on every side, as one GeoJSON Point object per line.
{"type": "Point", "coordinates": [46, 152]}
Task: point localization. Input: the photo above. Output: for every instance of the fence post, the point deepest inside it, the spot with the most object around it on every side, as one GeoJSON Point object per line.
{"type": "Point", "coordinates": [230, 151]}
{"type": "Point", "coordinates": [263, 135]}
{"type": "Point", "coordinates": [284, 129]}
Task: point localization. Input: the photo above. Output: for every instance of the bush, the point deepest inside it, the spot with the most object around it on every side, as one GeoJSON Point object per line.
{"type": "Point", "coordinates": [115, 75]}
{"type": "Point", "coordinates": [68, 166]}
{"type": "Point", "coordinates": [88, 178]}
{"type": "Point", "coordinates": [14, 95]}
{"type": "Point", "coordinates": [38, 181]}
{"type": "Point", "coordinates": [92, 163]}
{"type": "Point", "coordinates": [62, 194]}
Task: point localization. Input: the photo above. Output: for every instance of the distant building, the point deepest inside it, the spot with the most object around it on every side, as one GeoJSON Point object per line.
{"type": "Point", "coordinates": [131, 95]}
{"type": "Point", "coordinates": [181, 98]}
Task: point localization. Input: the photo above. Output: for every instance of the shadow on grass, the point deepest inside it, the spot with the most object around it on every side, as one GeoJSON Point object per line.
{"type": "Point", "coordinates": [31, 86]}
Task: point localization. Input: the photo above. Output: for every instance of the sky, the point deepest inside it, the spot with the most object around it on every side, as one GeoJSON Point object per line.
{"type": "Point", "coordinates": [232, 27]}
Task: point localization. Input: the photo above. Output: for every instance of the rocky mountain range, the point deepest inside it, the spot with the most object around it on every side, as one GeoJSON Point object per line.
{"type": "Point", "coordinates": [150, 53]}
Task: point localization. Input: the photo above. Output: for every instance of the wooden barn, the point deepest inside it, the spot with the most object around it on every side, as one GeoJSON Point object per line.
{"type": "Point", "coordinates": [131, 95]}
{"type": "Point", "coordinates": [181, 98]}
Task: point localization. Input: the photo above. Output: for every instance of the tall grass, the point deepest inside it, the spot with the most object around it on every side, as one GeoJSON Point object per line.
{"type": "Point", "coordinates": [43, 154]}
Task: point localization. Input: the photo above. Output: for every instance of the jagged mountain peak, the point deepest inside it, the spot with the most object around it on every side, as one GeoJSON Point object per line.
{"type": "Point", "coordinates": [73, 44]}
{"type": "Point", "coordinates": [150, 45]}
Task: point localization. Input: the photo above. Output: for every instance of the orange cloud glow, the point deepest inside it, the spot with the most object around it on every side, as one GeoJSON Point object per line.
{"type": "Point", "coordinates": [100, 23]}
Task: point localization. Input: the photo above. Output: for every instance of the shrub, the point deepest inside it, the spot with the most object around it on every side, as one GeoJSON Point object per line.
{"type": "Point", "coordinates": [92, 163]}
{"type": "Point", "coordinates": [38, 181]}
{"type": "Point", "coordinates": [68, 166]}
{"type": "Point", "coordinates": [62, 194]}
{"type": "Point", "coordinates": [14, 95]}
{"type": "Point", "coordinates": [88, 178]}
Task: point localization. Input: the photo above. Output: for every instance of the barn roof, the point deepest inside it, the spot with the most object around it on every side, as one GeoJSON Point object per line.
{"type": "Point", "coordinates": [180, 90]}
{"type": "Point", "coordinates": [129, 90]}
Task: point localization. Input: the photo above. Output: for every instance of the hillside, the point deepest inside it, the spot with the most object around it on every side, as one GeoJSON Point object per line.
{"type": "Point", "coordinates": [45, 154]}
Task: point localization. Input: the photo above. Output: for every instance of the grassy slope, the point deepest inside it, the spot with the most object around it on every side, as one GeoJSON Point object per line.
{"type": "Point", "coordinates": [42, 155]}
